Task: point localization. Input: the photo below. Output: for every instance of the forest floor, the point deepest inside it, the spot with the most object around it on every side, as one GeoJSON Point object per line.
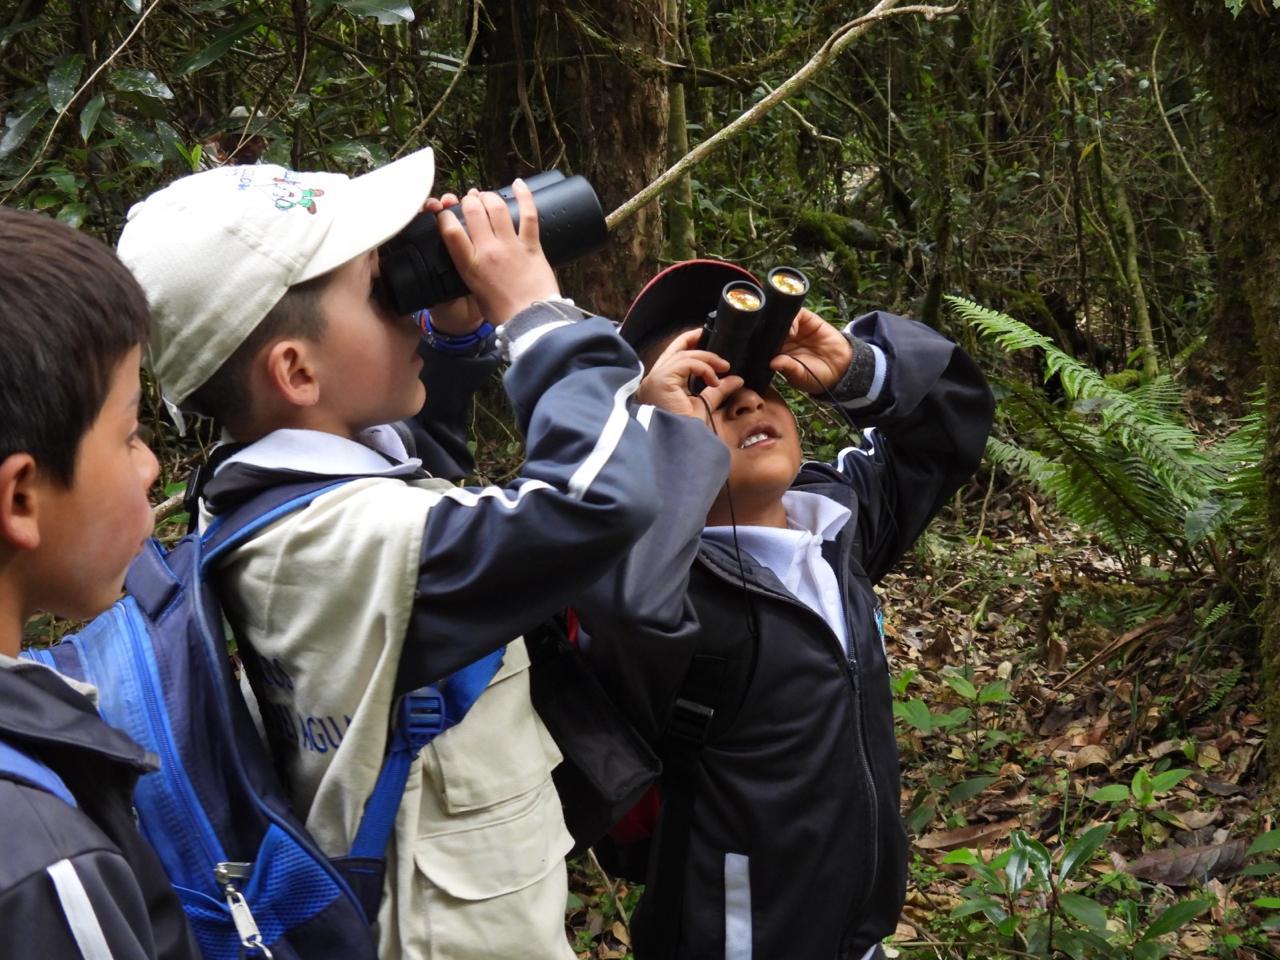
{"type": "Point", "coordinates": [1081, 764]}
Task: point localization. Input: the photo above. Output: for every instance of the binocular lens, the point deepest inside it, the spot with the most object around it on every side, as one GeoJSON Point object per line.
{"type": "Point", "coordinates": [788, 281]}
{"type": "Point", "coordinates": [744, 298]}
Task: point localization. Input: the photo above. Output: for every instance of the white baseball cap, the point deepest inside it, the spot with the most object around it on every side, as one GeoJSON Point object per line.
{"type": "Point", "coordinates": [215, 251]}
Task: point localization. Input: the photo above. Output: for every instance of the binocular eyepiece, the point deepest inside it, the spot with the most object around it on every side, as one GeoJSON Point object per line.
{"type": "Point", "coordinates": [750, 325]}
{"type": "Point", "coordinates": [416, 270]}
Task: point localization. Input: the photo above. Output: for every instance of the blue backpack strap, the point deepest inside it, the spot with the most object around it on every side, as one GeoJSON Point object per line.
{"type": "Point", "coordinates": [421, 716]}
{"type": "Point", "coordinates": [229, 530]}
{"type": "Point", "coordinates": [30, 770]}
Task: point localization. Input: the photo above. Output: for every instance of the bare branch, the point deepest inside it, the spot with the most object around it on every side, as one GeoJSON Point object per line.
{"type": "Point", "coordinates": [832, 48]}
{"type": "Point", "coordinates": [462, 68]}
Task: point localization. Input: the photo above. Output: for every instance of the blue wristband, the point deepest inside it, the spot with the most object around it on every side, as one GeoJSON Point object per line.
{"type": "Point", "coordinates": [457, 344]}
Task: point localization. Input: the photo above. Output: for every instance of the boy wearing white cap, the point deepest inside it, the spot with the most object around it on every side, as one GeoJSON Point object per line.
{"type": "Point", "coordinates": [263, 284]}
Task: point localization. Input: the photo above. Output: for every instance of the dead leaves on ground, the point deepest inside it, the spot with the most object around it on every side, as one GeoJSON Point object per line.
{"type": "Point", "coordinates": [1096, 698]}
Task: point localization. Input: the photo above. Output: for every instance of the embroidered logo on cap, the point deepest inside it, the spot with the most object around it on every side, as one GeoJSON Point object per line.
{"type": "Point", "coordinates": [285, 191]}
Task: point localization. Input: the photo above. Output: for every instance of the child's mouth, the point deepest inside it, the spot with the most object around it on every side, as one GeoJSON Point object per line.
{"type": "Point", "coordinates": [760, 436]}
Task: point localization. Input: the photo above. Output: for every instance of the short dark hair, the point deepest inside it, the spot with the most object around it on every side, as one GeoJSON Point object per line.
{"type": "Point", "coordinates": [225, 395]}
{"type": "Point", "coordinates": [69, 312]}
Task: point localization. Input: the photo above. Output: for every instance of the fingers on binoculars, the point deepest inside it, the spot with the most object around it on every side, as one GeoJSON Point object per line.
{"type": "Point", "coordinates": [687, 342]}
{"type": "Point", "coordinates": [528, 212]}
{"type": "Point", "coordinates": [717, 394]}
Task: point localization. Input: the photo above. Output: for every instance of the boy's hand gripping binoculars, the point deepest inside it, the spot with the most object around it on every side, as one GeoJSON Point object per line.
{"type": "Point", "coordinates": [750, 325]}
{"type": "Point", "coordinates": [416, 270]}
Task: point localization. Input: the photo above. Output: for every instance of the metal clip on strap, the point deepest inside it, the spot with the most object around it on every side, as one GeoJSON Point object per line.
{"type": "Point", "coordinates": [251, 945]}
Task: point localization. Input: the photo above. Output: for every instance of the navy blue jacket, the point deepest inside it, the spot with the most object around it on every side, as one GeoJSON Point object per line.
{"type": "Point", "coordinates": [72, 877]}
{"type": "Point", "coordinates": [796, 816]}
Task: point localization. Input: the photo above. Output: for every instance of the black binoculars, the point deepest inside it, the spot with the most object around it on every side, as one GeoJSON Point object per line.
{"type": "Point", "coordinates": [416, 270]}
{"type": "Point", "coordinates": [749, 325]}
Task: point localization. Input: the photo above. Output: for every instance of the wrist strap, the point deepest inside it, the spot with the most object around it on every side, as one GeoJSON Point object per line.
{"type": "Point", "coordinates": [454, 343]}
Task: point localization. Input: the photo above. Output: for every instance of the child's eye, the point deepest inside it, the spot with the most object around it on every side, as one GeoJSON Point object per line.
{"type": "Point", "coordinates": [141, 434]}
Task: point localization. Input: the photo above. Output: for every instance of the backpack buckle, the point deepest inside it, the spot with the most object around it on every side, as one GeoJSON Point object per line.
{"type": "Point", "coordinates": [690, 722]}
{"type": "Point", "coordinates": [421, 716]}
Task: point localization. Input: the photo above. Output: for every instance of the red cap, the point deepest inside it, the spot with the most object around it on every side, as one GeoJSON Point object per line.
{"type": "Point", "coordinates": [679, 298]}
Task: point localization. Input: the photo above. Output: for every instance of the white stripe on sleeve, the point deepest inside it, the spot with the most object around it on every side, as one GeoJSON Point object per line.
{"type": "Point", "coordinates": [606, 443]}
{"type": "Point", "coordinates": [78, 909]}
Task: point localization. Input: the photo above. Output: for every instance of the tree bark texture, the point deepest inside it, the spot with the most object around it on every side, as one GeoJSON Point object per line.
{"type": "Point", "coordinates": [578, 93]}
{"type": "Point", "coordinates": [1241, 61]}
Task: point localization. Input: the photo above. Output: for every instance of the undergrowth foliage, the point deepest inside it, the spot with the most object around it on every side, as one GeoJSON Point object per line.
{"type": "Point", "coordinates": [1124, 463]}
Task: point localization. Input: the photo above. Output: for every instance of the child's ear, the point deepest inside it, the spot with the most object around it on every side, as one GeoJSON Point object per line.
{"type": "Point", "coordinates": [20, 490]}
{"type": "Point", "coordinates": [291, 372]}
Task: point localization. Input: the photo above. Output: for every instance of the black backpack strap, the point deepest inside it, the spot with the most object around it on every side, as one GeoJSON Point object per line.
{"type": "Point", "coordinates": [686, 734]}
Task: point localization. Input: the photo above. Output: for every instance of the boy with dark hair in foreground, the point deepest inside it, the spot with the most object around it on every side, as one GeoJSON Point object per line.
{"type": "Point", "coordinates": [743, 636]}
{"type": "Point", "coordinates": [76, 877]}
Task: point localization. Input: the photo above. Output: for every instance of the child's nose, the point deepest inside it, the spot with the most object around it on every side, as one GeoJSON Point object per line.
{"type": "Point", "coordinates": [745, 401]}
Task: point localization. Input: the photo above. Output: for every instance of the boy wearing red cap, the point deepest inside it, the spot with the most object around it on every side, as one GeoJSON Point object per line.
{"type": "Point", "coordinates": [744, 638]}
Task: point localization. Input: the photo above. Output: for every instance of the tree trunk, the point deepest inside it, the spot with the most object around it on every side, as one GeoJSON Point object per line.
{"type": "Point", "coordinates": [576, 84]}
{"type": "Point", "coordinates": [680, 234]}
{"type": "Point", "coordinates": [1241, 59]}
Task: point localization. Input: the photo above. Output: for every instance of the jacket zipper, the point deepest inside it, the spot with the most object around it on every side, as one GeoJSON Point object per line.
{"type": "Point", "coordinates": [849, 663]}
{"type": "Point", "coordinates": [171, 768]}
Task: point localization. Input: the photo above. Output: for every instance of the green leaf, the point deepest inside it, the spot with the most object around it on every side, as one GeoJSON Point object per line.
{"type": "Point", "coordinates": [1265, 844]}
{"type": "Point", "coordinates": [141, 144]}
{"type": "Point", "coordinates": [358, 153]}
{"type": "Point", "coordinates": [1016, 869]}
{"type": "Point", "coordinates": [388, 12]}
{"type": "Point", "coordinates": [1111, 793]}
{"type": "Point", "coordinates": [1036, 853]}
{"type": "Point", "coordinates": [970, 788]}
{"type": "Point", "coordinates": [1267, 903]}
{"type": "Point", "coordinates": [220, 43]}
{"type": "Point", "coordinates": [1080, 850]}
{"type": "Point", "coordinates": [1265, 869]}
{"type": "Point", "coordinates": [1141, 786]}
{"type": "Point", "coordinates": [141, 81]}
{"type": "Point", "coordinates": [976, 905]}
{"type": "Point", "coordinates": [89, 116]}
{"type": "Point", "coordinates": [995, 692]}
{"type": "Point", "coordinates": [19, 126]}
{"type": "Point", "coordinates": [961, 685]}
{"type": "Point", "coordinates": [63, 79]}
{"type": "Point", "coordinates": [1150, 950]}
{"type": "Point", "coordinates": [952, 718]}
{"type": "Point", "coordinates": [1164, 782]}
{"type": "Point", "coordinates": [134, 5]}
{"type": "Point", "coordinates": [1173, 918]}
{"type": "Point", "coordinates": [73, 214]}
{"type": "Point", "coordinates": [915, 713]}
{"type": "Point", "coordinates": [1084, 909]}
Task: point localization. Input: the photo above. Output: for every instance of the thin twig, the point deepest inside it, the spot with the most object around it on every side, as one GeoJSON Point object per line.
{"type": "Point", "coordinates": [1155, 87]}
{"type": "Point", "coordinates": [613, 888]}
{"type": "Point", "coordinates": [167, 508]}
{"type": "Point", "coordinates": [462, 68]}
{"type": "Point", "coordinates": [44, 147]}
{"type": "Point", "coordinates": [834, 45]}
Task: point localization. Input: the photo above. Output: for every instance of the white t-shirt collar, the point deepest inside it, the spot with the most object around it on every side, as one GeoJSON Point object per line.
{"type": "Point", "coordinates": [313, 451]}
